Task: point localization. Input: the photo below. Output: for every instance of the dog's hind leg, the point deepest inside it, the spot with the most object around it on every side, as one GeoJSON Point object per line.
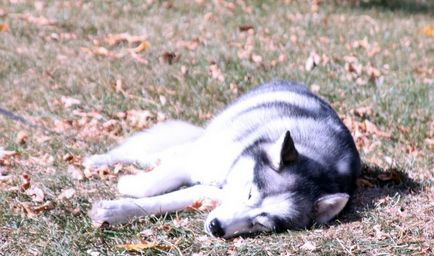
{"type": "Point", "coordinates": [123, 210]}
{"type": "Point", "coordinates": [144, 147]}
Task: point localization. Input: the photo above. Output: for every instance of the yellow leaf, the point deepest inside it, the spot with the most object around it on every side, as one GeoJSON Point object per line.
{"type": "Point", "coordinates": [144, 246]}
{"type": "Point", "coordinates": [428, 31]}
{"type": "Point", "coordinates": [142, 46]}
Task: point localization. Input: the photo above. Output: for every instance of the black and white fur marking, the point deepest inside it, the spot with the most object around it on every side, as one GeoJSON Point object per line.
{"type": "Point", "coordinates": [278, 158]}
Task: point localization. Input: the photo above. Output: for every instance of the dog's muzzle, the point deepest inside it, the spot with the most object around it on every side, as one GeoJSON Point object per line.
{"type": "Point", "coordinates": [215, 228]}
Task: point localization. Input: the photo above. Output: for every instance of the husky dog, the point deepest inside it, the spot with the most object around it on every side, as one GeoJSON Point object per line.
{"type": "Point", "coordinates": [278, 158]}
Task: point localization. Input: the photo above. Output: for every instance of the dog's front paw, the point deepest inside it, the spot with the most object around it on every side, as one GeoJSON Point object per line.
{"type": "Point", "coordinates": [111, 212]}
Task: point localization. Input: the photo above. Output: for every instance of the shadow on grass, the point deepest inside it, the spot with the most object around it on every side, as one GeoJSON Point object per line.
{"type": "Point", "coordinates": [405, 6]}
{"type": "Point", "coordinates": [376, 183]}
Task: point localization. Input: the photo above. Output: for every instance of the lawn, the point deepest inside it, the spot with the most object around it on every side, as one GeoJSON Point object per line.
{"type": "Point", "coordinates": [82, 75]}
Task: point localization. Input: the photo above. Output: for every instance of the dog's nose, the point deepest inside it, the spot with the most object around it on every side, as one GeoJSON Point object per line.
{"type": "Point", "coordinates": [216, 228]}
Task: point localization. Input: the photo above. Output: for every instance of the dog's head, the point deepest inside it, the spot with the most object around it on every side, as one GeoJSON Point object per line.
{"type": "Point", "coordinates": [279, 189]}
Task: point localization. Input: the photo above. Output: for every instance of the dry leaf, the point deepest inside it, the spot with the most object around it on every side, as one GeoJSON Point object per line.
{"type": "Point", "coordinates": [244, 28]}
{"type": "Point", "coordinates": [364, 183]}
{"type": "Point", "coordinates": [312, 61]}
{"type": "Point", "coordinates": [363, 111]}
{"type": "Point", "coordinates": [428, 30]}
{"type": "Point", "coordinates": [215, 72]}
{"type": "Point", "coordinates": [144, 245]}
{"type": "Point", "coordinates": [25, 182]}
{"type": "Point", "coordinates": [75, 173]}
{"type": "Point", "coordinates": [170, 57]}
{"type": "Point", "coordinates": [308, 246]}
{"type": "Point", "coordinates": [315, 88]}
{"type": "Point", "coordinates": [392, 176]}
{"type": "Point", "coordinates": [140, 119]}
{"type": "Point", "coordinates": [142, 46]}
{"type": "Point", "coordinates": [6, 156]}
{"type": "Point", "coordinates": [36, 194]}
{"type": "Point", "coordinates": [68, 102]}
{"type": "Point", "coordinates": [21, 138]}
{"type": "Point", "coordinates": [41, 21]}
{"type": "Point", "coordinates": [256, 58]}
{"type": "Point", "coordinates": [113, 39]}
{"type": "Point", "coordinates": [66, 194]}
{"type": "Point", "coordinates": [204, 204]}
{"type": "Point", "coordinates": [4, 27]}
{"type": "Point", "coordinates": [189, 45]}
{"type": "Point", "coordinates": [32, 211]}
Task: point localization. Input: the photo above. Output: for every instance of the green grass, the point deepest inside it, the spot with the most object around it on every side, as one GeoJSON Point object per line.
{"type": "Point", "coordinates": [41, 63]}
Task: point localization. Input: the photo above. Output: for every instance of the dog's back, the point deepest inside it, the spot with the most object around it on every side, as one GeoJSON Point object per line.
{"type": "Point", "coordinates": [268, 111]}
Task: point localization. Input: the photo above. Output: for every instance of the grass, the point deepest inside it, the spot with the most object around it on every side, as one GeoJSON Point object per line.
{"type": "Point", "coordinates": [50, 49]}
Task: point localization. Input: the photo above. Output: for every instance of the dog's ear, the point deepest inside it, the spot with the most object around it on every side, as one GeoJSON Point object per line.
{"type": "Point", "coordinates": [283, 151]}
{"type": "Point", "coordinates": [288, 153]}
{"type": "Point", "coordinates": [327, 207]}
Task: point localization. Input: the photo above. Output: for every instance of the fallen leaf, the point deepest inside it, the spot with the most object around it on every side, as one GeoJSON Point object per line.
{"type": "Point", "coordinates": [364, 183]}
{"type": "Point", "coordinates": [21, 137]}
{"type": "Point", "coordinates": [215, 72]}
{"type": "Point", "coordinates": [308, 246]}
{"type": "Point", "coordinates": [41, 21]}
{"type": "Point", "coordinates": [144, 246]}
{"type": "Point", "coordinates": [204, 204]}
{"type": "Point", "coordinates": [140, 119]}
{"type": "Point", "coordinates": [256, 58]}
{"type": "Point", "coordinates": [68, 102]}
{"type": "Point", "coordinates": [315, 88]}
{"type": "Point", "coordinates": [75, 173]}
{"type": "Point", "coordinates": [392, 176]}
{"type": "Point", "coordinates": [312, 61]}
{"type": "Point", "coordinates": [4, 27]}
{"type": "Point", "coordinates": [363, 111]}
{"type": "Point", "coordinates": [32, 211]}
{"type": "Point", "coordinates": [6, 155]}
{"type": "Point", "coordinates": [36, 194]}
{"type": "Point", "coordinates": [170, 57]}
{"type": "Point", "coordinates": [142, 46]}
{"type": "Point", "coordinates": [428, 30]}
{"type": "Point", "coordinates": [113, 39]}
{"type": "Point", "coordinates": [66, 194]}
{"type": "Point", "coordinates": [244, 28]}
{"type": "Point", "coordinates": [25, 182]}
{"type": "Point", "coordinates": [189, 45]}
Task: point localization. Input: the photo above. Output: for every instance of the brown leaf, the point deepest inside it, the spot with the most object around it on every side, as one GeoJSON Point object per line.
{"type": "Point", "coordinates": [21, 137]}
{"type": "Point", "coordinates": [25, 182]}
{"type": "Point", "coordinates": [144, 245]}
{"type": "Point", "coordinates": [364, 183]}
{"type": "Point", "coordinates": [140, 119]}
{"type": "Point", "coordinates": [308, 246]}
{"type": "Point", "coordinates": [32, 211]}
{"type": "Point", "coordinates": [170, 57]}
{"type": "Point", "coordinates": [312, 61]}
{"type": "Point", "coordinates": [204, 204]}
{"type": "Point", "coordinates": [36, 194]}
{"type": "Point", "coordinates": [215, 72]}
{"type": "Point", "coordinates": [392, 176]}
{"type": "Point", "coordinates": [68, 102]}
{"type": "Point", "coordinates": [141, 47]}
{"type": "Point", "coordinates": [112, 39]}
{"type": "Point", "coordinates": [244, 28]}
{"type": "Point", "coordinates": [75, 173]}
{"type": "Point", "coordinates": [40, 21]}
{"type": "Point", "coordinates": [363, 111]}
{"type": "Point", "coordinates": [66, 194]}
{"type": "Point", "coordinates": [4, 27]}
{"type": "Point", "coordinates": [6, 156]}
